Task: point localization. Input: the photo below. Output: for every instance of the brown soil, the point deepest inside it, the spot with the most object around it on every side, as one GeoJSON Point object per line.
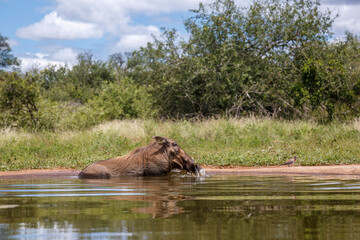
{"type": "Point", "coordinates": [277, 170]}
{"type": "Point", "coordinates": [39, 173]}
{"type": "Point", "coordinates": [302, 170]}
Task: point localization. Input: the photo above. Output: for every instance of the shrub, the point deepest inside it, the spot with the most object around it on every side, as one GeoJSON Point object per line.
{"type": "Point", "coordinates": [122, 100]}
{"type": "Point", "coordinates": [19, 97]}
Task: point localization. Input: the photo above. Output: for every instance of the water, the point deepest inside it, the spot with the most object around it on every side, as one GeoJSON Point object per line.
{"type": "Point", "coordinates": [173, 207]}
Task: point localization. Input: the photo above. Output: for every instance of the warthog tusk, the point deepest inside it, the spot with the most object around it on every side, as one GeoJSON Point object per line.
{"type": "Point", "coordinates": [179, 164]}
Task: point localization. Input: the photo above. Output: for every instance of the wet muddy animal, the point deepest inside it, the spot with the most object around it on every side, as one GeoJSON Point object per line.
{"type": "Point", "coordinates": [158, 158]}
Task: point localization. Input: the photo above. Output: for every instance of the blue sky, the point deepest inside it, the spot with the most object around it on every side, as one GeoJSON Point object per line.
{"type": "Point", "coordinates": [43, 32]}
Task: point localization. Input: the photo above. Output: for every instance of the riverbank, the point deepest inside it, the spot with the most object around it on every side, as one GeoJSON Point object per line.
{"type": "Point", "coordinates": [248, 142]}
{"type": "Point", "coordinates": [353, 169]}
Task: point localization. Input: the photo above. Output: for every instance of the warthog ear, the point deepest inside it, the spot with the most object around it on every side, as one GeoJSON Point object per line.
{"type": "Point", "coordinates": [161, 140]}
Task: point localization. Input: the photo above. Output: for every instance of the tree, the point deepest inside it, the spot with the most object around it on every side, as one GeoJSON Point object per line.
{"type": "Point", "coordinates": [81, 83]}
{"type": "Point", "coordinates": [87, 76]}
{"type": "Point", "coordinates": [235, 61]}
{"type": "Point", "coordinates": [121, 100]}
{"type": "Point", "coordinates": [19, 96]}
{"type": "Point", "coordinates": [6, 58]}
{"type": "Point", "coordinates": [330, 77]}
{"type": "Point", "coordinates": [116, 61]}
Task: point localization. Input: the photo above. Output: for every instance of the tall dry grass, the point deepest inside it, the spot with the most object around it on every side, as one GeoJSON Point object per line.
{"type": "Point", "coordinates": [246, 142]}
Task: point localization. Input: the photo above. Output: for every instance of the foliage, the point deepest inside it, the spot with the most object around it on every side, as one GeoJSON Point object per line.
{"type": "Point", "coordinates": [329, 78]}
{"type": "Point", "coordinates": [19, 97]}
{"type": "Point", "coordinates": [117, 61]}
{"type": "Point", "coordinates": [249, 61]}
{"type": "Point", "coordinates": [6, 58]}
{"type": "Point", "coordinates": [121, 100]}
{"type": "Point", "coordinates": [80, 83]}
{"type": "Point", "coordinates": [25, 103]}
{"type": "Point", "coordinates": [87, 76]}
{"type": "Point", "coordinates": [274, 58]}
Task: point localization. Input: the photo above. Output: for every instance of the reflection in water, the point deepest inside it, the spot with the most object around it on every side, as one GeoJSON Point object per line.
{"type": "Point", "coordinates": [161, 198]}
{"type": "Point", "coordinates": [178, 207]}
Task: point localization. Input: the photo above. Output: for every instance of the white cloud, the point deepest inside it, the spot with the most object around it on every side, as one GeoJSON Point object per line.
{"type": "Point", "coordinates": [59, 57]}
{"type": "Point", "coordinates": [40, 55]}
{"type": "Point", "coordinates": [342, 2]}
{"type": "Point", "coordinates": [67, 55]}
{"type": "Point", "coordinates": [115, 17]}
{"type": "Point", "coordinates": [348, 19]}
{"type": "Point", "coordinates": [84, 19]}
{"type": "Point", "coordinates": [28, 63]}
{"type": "Point", "coordinates": [105, 10]}
{"type": "Point", "coordinates": [12, 43]}
{"type": "Point", "coordinates": [53, 26]}
{"type": "Point", "coordinates": [133, 41]}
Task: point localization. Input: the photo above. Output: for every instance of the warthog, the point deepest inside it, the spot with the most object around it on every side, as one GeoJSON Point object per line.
{"type": "Point", "coordinates": [158, 158]}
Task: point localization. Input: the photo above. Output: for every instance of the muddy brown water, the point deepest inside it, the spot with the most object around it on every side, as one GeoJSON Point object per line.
{"type": "Point", "coordinates": [218, 206]}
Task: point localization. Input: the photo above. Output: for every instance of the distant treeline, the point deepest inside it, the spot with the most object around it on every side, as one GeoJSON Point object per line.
{"type": "Point", "coordinates": [274, 58]}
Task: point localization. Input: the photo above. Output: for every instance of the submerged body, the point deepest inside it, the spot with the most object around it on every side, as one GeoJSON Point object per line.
{"type": "Point", "coordinates": [158, 158]}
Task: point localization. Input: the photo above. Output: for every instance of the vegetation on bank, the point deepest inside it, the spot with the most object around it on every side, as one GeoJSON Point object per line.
{"type": "Point", "coordinates": [275, 58]}
{"type": "Point", "coordinates": [220, 142]}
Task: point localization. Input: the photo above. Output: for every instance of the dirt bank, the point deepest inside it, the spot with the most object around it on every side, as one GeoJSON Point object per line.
{"type": "Point", "coordinates": [306, 170]}
{"type": "Point", "coordinates": [39, 173]}
{"type": "Point", "coordinates": [277, 170]}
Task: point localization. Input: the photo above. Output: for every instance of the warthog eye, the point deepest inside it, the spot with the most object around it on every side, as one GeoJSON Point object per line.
{"type": "Point", "coordinates": [175, 147]}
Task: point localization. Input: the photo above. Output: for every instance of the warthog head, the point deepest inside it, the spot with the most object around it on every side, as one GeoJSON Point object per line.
{"type": "Point", "coordinates": [178, 157]}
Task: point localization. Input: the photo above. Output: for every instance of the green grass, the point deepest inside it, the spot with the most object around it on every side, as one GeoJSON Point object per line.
{"type": "Point", "coordinates": [222, 142]}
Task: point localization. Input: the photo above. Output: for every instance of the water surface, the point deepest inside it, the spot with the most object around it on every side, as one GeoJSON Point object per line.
{"type": "Point", "coordinates": [174, 207]}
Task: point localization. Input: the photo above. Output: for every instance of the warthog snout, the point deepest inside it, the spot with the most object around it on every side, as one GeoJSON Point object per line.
{"type": "Point", "coordinates": [193, 167]}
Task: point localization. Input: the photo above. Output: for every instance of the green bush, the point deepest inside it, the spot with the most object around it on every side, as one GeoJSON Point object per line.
{"type": "Point", "coordinates": [122, 100]}
{"type": "Point", "coordinates": [19, 98]}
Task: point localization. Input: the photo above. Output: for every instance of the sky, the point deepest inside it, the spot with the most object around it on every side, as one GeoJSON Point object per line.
{"type": "Point", "coordinates": [43, 32]}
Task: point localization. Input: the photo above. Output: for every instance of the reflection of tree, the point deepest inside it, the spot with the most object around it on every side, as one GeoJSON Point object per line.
{"type": "Point", "coordinates": [177, 208]}
{"type": "Point", "coordinates": [102, 213]}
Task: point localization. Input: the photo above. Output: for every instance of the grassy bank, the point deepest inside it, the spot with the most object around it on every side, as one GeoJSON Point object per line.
{"type": "Point", "coordinates": [237, 142]}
